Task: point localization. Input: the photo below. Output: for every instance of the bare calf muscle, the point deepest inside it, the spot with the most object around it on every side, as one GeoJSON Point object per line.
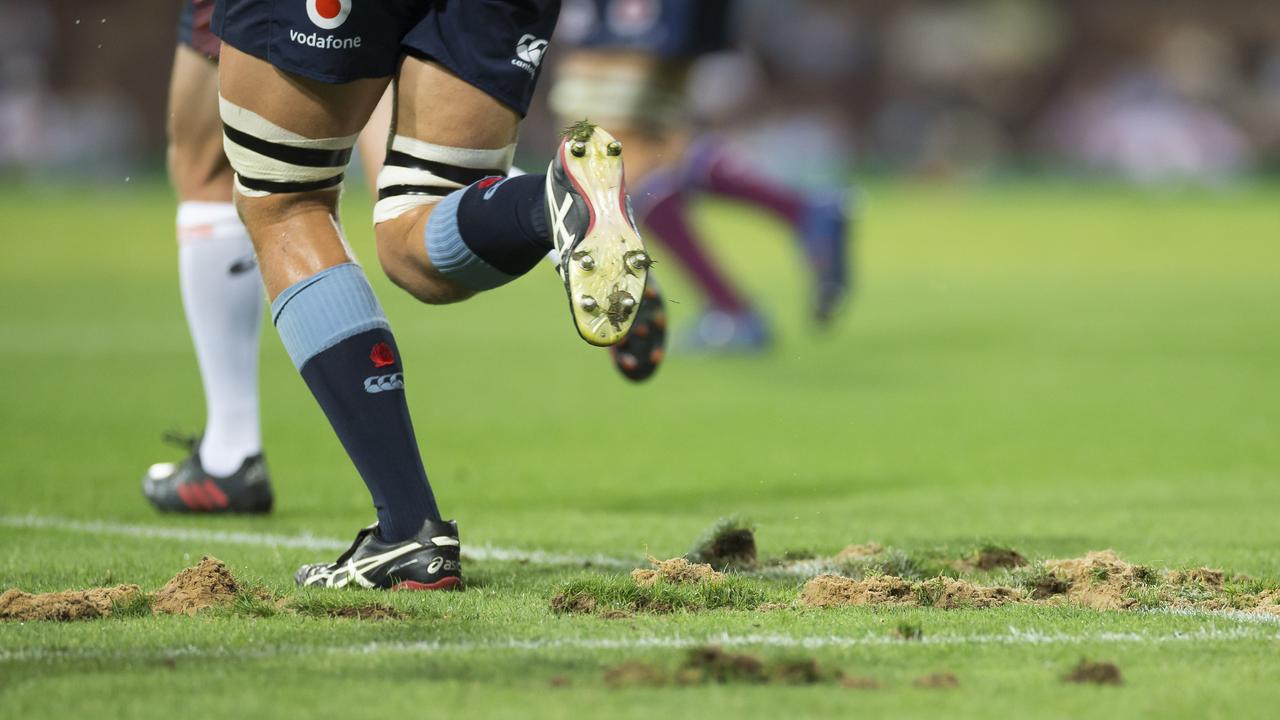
{"type": "Point", "coordinates": [198, 168]}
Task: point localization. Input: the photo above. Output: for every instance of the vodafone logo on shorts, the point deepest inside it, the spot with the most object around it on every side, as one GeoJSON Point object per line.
{"type": "Point", "coordinates": [328, 14]}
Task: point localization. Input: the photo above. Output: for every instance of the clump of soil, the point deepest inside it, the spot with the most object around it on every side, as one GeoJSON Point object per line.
{"type": "Point", "coordinates": [676, 571]}
{"type": "Point", "coordinates": [939, 681]}
{"type": "Point", "coordinates": [988, 558]}
{"type": "Point", "coordinates": [940, 592]}
{"type": "Point", "coordinates": [634, 674]}
{"type": "Point", "coordinates": [858, 682]}
{"type": "Point", "coordinates": [66, 605]}
{"type": "Point", "coordinates": [870, 574]}
{"type": "Point", "coordinates": [804, 671]}
{"type": "Point", "coordinates": [1095, 673]}
{"type": "Point", "coordinates": [1268, 602]}
{"type": "Point", "coordinates": [1207, 577]}
{"type": "Point", "coordinates": [1101, 580]}
{"type": "Point", "coordinates": [995, 558]}
{"type": "Point", "coordinates": [207, 584]}
{"type": "Point", "coordinates": [949, 594]}
{"type": "Point", "coordinates": [578, 604]}
{"type": "Point", "coordinates": [712, 664]}
{"type": "Point", "coordinates": [372, 611]}
{"type": "Point", "coordinates": [837, 591]}
{"type": "Point", "coordinates": [858, 552]}
{"type": "Point", "coordinates": [730, 544]}
{"type": "Point", "coordinates": [1045, 584]}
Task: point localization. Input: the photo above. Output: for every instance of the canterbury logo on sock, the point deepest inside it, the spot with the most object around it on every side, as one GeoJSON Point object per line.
{"type": "Point", "coordinates": [384, 383]}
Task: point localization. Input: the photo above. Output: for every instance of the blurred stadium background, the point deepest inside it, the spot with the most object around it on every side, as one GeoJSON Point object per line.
{"type": "Point", "coordinates": [1152, 91]}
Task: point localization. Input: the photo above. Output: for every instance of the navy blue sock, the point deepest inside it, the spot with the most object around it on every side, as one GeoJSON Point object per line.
{"type": "Point", "coordinates": [491, 232]}
{"type": "Point", "coordinates": [338, 338]}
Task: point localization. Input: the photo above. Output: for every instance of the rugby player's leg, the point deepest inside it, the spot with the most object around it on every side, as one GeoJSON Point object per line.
{"type": "Point", "coordinates": [221, 288]}
{"type": "Point", "coordinates": [448, 137]}
{"type": "Point", "coordinates": [373, 141]}
{"type": "Point", "coordinates": [451, 222]}
{"type": "Point", "coordinates": [289, 139]}
{"type": "Point", "coordinates": [222, 296]}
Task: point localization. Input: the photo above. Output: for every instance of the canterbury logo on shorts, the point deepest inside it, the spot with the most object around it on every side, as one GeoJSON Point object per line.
{"type": "Point", "coordinates": [529, 52]}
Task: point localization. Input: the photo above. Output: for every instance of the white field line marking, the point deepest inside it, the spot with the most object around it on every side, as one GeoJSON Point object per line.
{"type": "Point", "coordinates": [1242, 616]}
{"type": "Point", "coordinates": [304, 541]}
{"type": "Point", "coordinates": [1013, 637]}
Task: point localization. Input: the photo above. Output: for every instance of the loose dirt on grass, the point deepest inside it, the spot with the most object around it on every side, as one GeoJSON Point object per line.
{"type": "Point", "coordinates": [1100, 580]}
{"type": "Point", "coordinates": [858, 552]}
{"type": "Point", "coordinates": [66, 605]}
{"type": "Point", "coordinates": [371, 611]}
{"type": "Point", "coordinates": [991, 558]}
{"type": "Point", "coordinates": [713, 665]}
{"type": "Point", "coordinates": [941, 592]}
{"type": "Point", "coordinates": [576, 604]}
{"type": "Point", "coordinates": [938, 681]}
{"type": "Point", "coordinates": [858, 682]}
{"type": "Point", "coordinates": [634, 674]}
{"type": "Point", "coordinates": [648, 593]}
{"type": "Point", "coordinates": [1094, 673]}
{"type": "Point", "coordinates": [676, 571]}
{"type": "Point", "coordinates": [207, 584]}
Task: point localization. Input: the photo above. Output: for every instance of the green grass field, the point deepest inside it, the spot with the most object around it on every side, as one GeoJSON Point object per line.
{"type": "Point", "coordinates": [1057, 369]}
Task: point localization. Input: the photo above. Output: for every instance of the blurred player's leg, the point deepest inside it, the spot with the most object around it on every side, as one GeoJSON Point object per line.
{"type": "Point", "coordinates": [631, 75]}
{"type": "Point", "coordinates": [221, 293]}
{"type": "Point", "coordinates": [221, 288]}
{"type": "Point", "coordinates": [819, 221]}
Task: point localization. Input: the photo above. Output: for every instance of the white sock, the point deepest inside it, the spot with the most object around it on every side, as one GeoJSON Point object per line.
{"type": "Point", "coordinates": [223, 296]}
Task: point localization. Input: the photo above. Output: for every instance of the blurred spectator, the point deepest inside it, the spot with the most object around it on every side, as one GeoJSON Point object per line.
{"type": "Point", "coordinates": [1147, 90]}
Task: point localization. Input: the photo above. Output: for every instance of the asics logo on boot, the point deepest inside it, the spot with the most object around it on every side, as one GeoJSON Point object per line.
{"type": "Point", "coordinates": [559, 233]}
{"type": "Point", "coordinates": [384, 383]}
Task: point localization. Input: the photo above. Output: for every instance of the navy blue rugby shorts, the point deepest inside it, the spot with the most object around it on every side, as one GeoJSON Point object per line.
{"type": "Point", "coordinates": [494, 45]}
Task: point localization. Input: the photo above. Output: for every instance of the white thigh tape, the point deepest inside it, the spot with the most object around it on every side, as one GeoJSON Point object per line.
{"type": "Point", "coordinates": [420, 173]}
{"type": "Point", "coordinates": [269, 159]}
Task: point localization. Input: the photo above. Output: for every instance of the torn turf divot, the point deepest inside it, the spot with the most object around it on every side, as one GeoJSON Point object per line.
{"type": "Point", "coordinates": [1094, 673]}
{"type": "Point", "coordinates": [206, 585]}
{"type": "Point", "coordinates": [676, 571]}
{"type": "Point", "coordinates": [67, 605]}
